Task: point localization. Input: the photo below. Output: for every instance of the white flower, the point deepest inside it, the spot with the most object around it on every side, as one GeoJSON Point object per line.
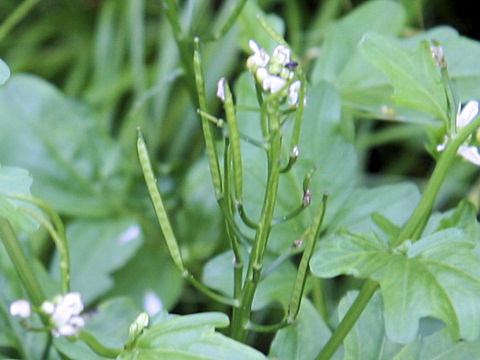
{"type": "Point", "coordinates": [466, 114]}
{"type": "Point", "coordinates": [281, 54]}
{"type": "Point", "coordinates": [20, 308]}
{"type": "Point", "coordinates": [464, 117]}
{"type": "Point", "coordinates": [73, 326]}
{"type": "Point", "coordinates": [470, 153]}
{"type": "Point", "coordinates": [273, 83]}
{"type": "Point", "coordinates": [261, 74]}
{"type": "Point", "coordinates": [48, 307]}
{"type": "Point", "coordinates": [65, 316]}
{"type": "Point", "coordinates": [221, 89]}
{"type": "Point", "coordinates": [294, 93]}
{"type": "Point", "coordinates": [259, 58]}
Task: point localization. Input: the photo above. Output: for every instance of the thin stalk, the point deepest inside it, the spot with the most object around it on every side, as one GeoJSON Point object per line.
{"type": "Point", "coordinates": [266, 328]}
{"type": "Point", "coordinates": [60, 243]}
{"type": "Point", "coordinates": [211, 294]}
{"type": "Point", "coordinates": [184, 44]}
{"type": "Point", "coordinates": [420, 216]}
{"type": "Point", "coordinates": [348, 320]}
{"type": "Point", "coordinates": [234, 143]}
{"type": "Point", "coordinates": [97, 347]}
{"type": "Point", "coordinates": [16, 16]}
{"type": "Point", "coordinates": [230, 21]}
{"type": "Point", "coordinates": [209, 137]}
{"type": "Point", "coordinates": [241, 315]}
{"type": "Point", "coordinates": [231, 234]}
{"type": "Point", "coordinates": [293, 16]}
{"type": "Point", "coordinates": [21, 263]}
{"type": "Point", "coordinates": [245, 218]}
{"type": "Point", "coordinates": [303, 270]}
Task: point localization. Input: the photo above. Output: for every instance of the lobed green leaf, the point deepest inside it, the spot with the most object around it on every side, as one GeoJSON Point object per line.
{"type": "Point", "coordinates": [190, 337]}
{"type": "Point", "coordinates": [438, 276]}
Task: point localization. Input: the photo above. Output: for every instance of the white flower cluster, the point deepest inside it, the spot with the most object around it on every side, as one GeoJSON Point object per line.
{"type": "Point", "coordinates": [465, 116]}
{"type": "Point", "coordinates": [274, 72]}
{"type": "Point", "coordinates": [63, 311]}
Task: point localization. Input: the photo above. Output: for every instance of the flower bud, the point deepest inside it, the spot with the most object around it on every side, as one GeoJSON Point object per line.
{"type": "Point", "coordinates": [20, 308]}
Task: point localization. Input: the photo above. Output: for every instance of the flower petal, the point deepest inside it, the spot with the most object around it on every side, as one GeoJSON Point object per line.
{"type": "Point", "coordinates": [294, 93]}
{"type": "Point", "coordinates": [282, 54]}
{"type": "Point", "coordinates": [254, 46]}
{"type": "Point", "coordinates": [20, 308]}
{"type": "Point", "coordinates": [470, 153]}
{"type": "Point", "coordinates": [273, 83]}
{"type": "Point", "coordinates": [221, 89]}
{"type": "Point", "coordinates": [467, 114]}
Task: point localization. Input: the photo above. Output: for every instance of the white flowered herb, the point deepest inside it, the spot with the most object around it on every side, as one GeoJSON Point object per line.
{"type": "Point", "coordinates": [464, 117]}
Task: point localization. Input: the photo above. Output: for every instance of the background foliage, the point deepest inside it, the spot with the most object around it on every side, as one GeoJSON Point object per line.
{"type": "Point", "coordinates": [77, 90]}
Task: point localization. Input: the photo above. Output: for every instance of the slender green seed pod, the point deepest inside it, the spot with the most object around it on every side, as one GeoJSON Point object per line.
{"type": "Point", "coordinates": [206, 125]}
{"type": "Point", "coordinates": [302, 271]}
{"type": "Point", "coordinates": [158, 204]}
{"type": "Point", "coordinates": [235, 143]}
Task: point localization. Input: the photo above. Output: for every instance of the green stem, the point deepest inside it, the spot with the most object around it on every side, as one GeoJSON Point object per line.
{"type": "Point", "coordinates": [294, 19]}
{"type": "Point", "coordinates": [184, 44]}
{"type": "Point", "coordinates": [227, 208]}
{"type": "Point", "coordinates": [60, 243]}
{"type": "Point", "coordinates": [348, 320]}
{"type": "Point", "coordinates": [21, 263]}
{"type": "Point", "coordinates": [303, 271]}
{"type": "Point", "coordinates": [420, 216]}
{"type": "Point", "coordinates": [16, 16]}
{"type": "Point", "coordinates": [266, 328]}
{"type": "Point", "coordinates": [97, 347]}
{"type": "Point", "coordinates": [56, 231]}
{"type": "Point", "coordinates": [241, 315]}
{"type": "Point", "coordinates": [213, 295]}
{"type": "Point", "coordinates": [230, 21]}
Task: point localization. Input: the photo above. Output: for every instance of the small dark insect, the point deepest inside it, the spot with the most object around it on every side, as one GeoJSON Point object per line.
{"type": "Point", "coordinates": [291, 65]}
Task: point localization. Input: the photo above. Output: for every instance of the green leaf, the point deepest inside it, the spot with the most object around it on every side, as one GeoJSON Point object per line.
{"type": "Point", "coordinates": [97, 249]}
{"type": "Point", "coordinates": [139, 279]}
{"type": "Point", "coordinates": [414, 76]}
{"type": "Point", "coordinates": [461, 54]}
{"type": "Point", "coordinates": [364, 88]}
{"type": "Point", "coordinates": [199, 221]}
{"type": "Point", "coordinates": [396, 202]}
{"type": "Point", "coordinates": [190, 337]}
{"type": "Point", "coordinates": [250, 28]}
{"type": "Point", "coordinates": [438, 345]}
{"type": "Point", "coordinates": [342, 37]}
{"type": "Point", "coordinates": [376, 345]}
{"type": "Point", "coordinates": [441, 346]}
{"type": "Point", "coordinates": [15, 181]}
{"type": "Point", "coordinates": [303, 339]}
{"type": "Point", "coordinates": [4, 72]}
{"type": "Point", "coordinates": [438, 276]}
{"type": "Point", "coordinates": [75, 164]}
